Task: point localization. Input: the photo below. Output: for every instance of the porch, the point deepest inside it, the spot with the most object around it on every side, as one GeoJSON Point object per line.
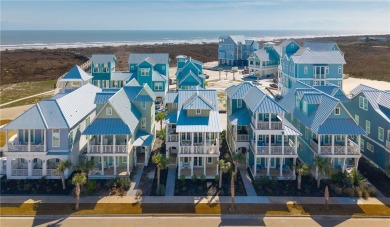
{"type": "Point", "coordinates": [282, 168]}
{"type": "Point", "coordinates": [287, 174]}
{"type": "Point", "coordinates": [198, 166]}
{"type": "Point", "coordinates": [108, 144]}
{"type": "Point", "coordinates": [34, 168]}
{"type": "Point", "coordinates": [33, 140]}
{"type": "Point", "coordinates": [330, 145]}
{"type": "Point", "coordinates": [267, 121]}
{"type": "Point", "coordinates": [109, 166]}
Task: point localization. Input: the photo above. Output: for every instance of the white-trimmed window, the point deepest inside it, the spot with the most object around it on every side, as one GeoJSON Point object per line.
{"type": "Point", "coordinates": [370, 147]}
{"type": "Point", "coordinates": [143, 105]}
{"type": "Point", "coordinates": [340, 71]}
{"type": "Point", "coordinates": [363, 103]}
{"type": "Point", "coordinates": [209, 160]}
{"type": "Point", "coordinates": [357, 118]}
{"type": "Point", "coordinates": [32, 135]}
{"type": "Point", "coordinates": [186, 160]}
{"type": "Point", "coordinates": [158, 85]}
{"type": "Point", "coordinates": [198, 161]}
{"type": "Point", "coordinates": [368, 127]}
{"type": "Point", "coordinates": [108, 111]}
{"type": "Point", "coordinates": [87, 121]}
{"type": "Point", "coordinates": [163, 67]}
{"type": "Point", "coordinates": [185, 136]}
{"type": "Point", "coordinates": [145, 71]}
{"type": "Point", "coordinates": [305, 70]}
{"type": "Point", "coordinates": [105, 70]}
{"type": "Point", "coordinates": [337, 111]}
{"type": "Point", "coordinates": [198, 111]}
{"type": "Point", "coordinates": [381, 133]}
{"type": "Point", "coordinates": [143, 123]}
{"type": "Point", "coordinates": [70, 138]}
{"type": "Point", "coordinates": [55, 137]}
{"type": "Point", "coordinates": [339, 138]}
{"type": "Point", "coordinates": [361, 144]}
{"type": "Point", "coordinates": [239, 103]}
{"type": "Point", "coordinates": [306, 133]}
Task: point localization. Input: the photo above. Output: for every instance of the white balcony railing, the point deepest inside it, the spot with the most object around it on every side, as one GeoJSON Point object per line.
{"type": "Point", "coordinates": [242, 138]}
{"type": "Point", "coordinates": [37, 172]}
{"type": "Point", "coordinates": [173, 138]}
{"type": "Point", "coordinates": [51, 172]}
{"type": "Point", "coordinates": [198, 150]}
{"type": "Point", "coordinates": [275, 150]}
{"type": "Point", "coordinates": [274, 125]}
{"type": "Point", "coordinates": [19, 172]}
{"type": "Point", "coordinates": [107, 149]}
{"type": "Point", "coordinates": [24, 148]}
{"type": "Point", "coordinates": [352, 148]}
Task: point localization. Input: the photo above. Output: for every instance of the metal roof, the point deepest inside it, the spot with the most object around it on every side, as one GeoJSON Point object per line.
{"type": "Point", "coordinates": [190, 73]}
{"type": "Point", "coordinates": [76, 74]}
{"type": "Point", "coordinates": [238, 38]}
{"type": "Point", "coordinates": [258, 102]}
{"type": "Point", "coordinates": [124, 76]}
{"type": "Point", "coordinates": [287, 42]}
{"type": "Point", "coordinates": [290, 130]}
{"type": "Point", "coordinates": [262, 55]}
{"type": "Point", "coordinates": [171, 97]}
{"type": "Point", "coordinates": [240, 118]}
{"type": "Point", "coordinates": [107, 126]}
{"type": "Point", "coordinates": [198, 101]}
{"type": "Point", "coordinates": [334, 91]}
{"type": "Point", "coordinates": [321, 45]}
{"type": "Point", "coordinates": [156, 76]}
{"type": "Point", "coordinates": [52, 114]}
{"type": "Point", "coordinates": [171, 118]}
{"type": "Point", "coordinates": [30, 119]}
{"type": "Point", "coordinates": [312, 98]}
{"type": "Point", "coordinates": [306, 56]}
{"type": "Point", "coordinates": [189, 61]}
{"type": "Point", "coordinates": [143, 139]}
{"type": "Point", "coordinates": [238, 91]}
{"type": "Point", "coordinates": [102, 58]}
{"type": "Point", "coordinates": [360, 88]}
{"type": "Point", "coordinates": [103, 97]}
{"type": "Point", "coordinates": [156, 58]}
{"type": "Point", "coordinates": [340, 127]}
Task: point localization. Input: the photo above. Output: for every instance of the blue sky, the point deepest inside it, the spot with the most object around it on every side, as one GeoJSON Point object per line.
{"type": "Point", "coordinates": [196, 15]}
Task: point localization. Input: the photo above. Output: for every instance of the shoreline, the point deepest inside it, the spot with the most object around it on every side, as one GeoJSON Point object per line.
{"type": "Point", "coordinates": [73, 45]}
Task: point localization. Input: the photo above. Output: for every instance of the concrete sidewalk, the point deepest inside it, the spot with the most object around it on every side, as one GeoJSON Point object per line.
{"type": "Point", "coordinates": [250, 190]}
{"type": "Point", "coordinates": [135, 182]}
{"type": "Point", "coordinates": [170, 184]}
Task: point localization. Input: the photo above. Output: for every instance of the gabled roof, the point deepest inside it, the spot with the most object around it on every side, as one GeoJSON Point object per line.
{"type": "Point", "coordinates": [153, 58]}
{"type": "Point", "coordinates": [198, 101]}
{"type": "Point", "coordinates": [30, 119]}
{"type": "Point", "coordinates": [76, 74]}
{"type": "Point", "coordinates": [286, 43]}
{"type": "Point", "coordinates": [188, 62]}
{"type": "Point", "coordinates": [156, 76]}
{"type": "Point", "coordinates": [171, 97]}
{"type": "Point", "coordinates": [258, 102]}
{"type": "Point", "coordinates": [123, 76]}
{"type": "Point", "coordinates": [321, 46]}
{"type": "Point", "coordinates": [306, 56]}
{"type": "Point", "coordinates": [334, 91]}
{"type": "Point", "coordinates": [107, 126]}
{"type": "Point", "coordinates": [102, 58]}
{"type": "Point", "coordinates": [103, 97]}
{"type": "Point", "coordinates": [262, 55]}
{"type": "Point", "coordinates": [143, 139]}
{"type": "Point", "coordinates": [238, 91]}
{"type": "Point", "coordinates": [190, 73]}
{"type": "Point", "coordinates": [238, 39]}
{"type": "Point", "coordinates": [138, 93]}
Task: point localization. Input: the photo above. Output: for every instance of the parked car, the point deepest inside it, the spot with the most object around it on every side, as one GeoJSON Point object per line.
{"type": "Point", "coordinates": [274, 86]}
{"type": "Point", "coordinates": [245, 71]}
{"type": "Point", "coordinates": [159, 104]}
{"type": "Point", "coordinates": [255, 82]}
{"type": "Point", "coordinates": [206, 76]}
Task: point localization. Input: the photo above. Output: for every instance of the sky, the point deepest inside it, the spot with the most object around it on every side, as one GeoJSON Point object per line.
{"type": "Point", "coordinates": [352, 15]}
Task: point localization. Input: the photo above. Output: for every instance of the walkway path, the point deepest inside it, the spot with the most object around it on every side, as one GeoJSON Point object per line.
{"type": "Point", "coordinates": [135, 182]}
{"type": "Point", "coordinates": [170, 185]}
{"type": "Point", "coordinates": [31, 96]}
{"type": "Point", "coordinates": [250, 190]}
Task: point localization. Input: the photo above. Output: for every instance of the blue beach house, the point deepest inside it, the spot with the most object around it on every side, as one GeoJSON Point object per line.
{"type": "Point", "coordinates": [189, 74]}
{"type": "Point", "coordinates": [234, 50]}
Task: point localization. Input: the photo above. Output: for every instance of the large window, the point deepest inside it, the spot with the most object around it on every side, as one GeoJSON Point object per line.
{"type": "Point", "coordinates": [55, 137]}
{"type": "Point", "coordinates": [363, 103]}
{"type": "Point", "coordinates": [145, 71]}
{"type": "Point", "coordinates": [198, 137]}
{"type": "Point", "coordinates": [320, 72]}
{"type": "Point", "coordinates": [368, 127]}
{"type": "Point", "coordinates": [143, 123]}
{"type": "Point", "coordinates": [158, 86]}
{"type": "Point", "coordinates": [198, 161]}
{"type": "Point", "coordinates": [32, 135]}
{"type": "Point", "coordinates": [381, 133]}
{"type": "Point", "coordinates": [370, 147]}
{"type": "Point", "coordinates": [185, 136]}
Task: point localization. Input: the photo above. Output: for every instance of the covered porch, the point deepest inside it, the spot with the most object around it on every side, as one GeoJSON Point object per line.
{"type": "Point", "coordinates": [198, 166]}
{"type": "Point", "coordinates": [142, 147]}
{"type": "Point", "coordinates": [273, 166]}
{"type": "Point", "coordinates": [109, 166]}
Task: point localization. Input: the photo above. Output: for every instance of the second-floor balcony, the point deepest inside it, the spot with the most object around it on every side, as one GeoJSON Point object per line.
{"type": "Point", "coordinates": [16, 145]}
{"type": "Point", "coordinates": [274, 125]}
{"type": "Point", "coordinates": [172, 135]}
{"type": "Point", "coordinates": [338, 148]}
{"type": "Point", "coordinates": [287, 148]}
{"type": "Point", "coordinates": [199, 149]}
{"type": "Point", "coordinates": [267, 121]}
{"type": "Point", "coordinates": [108, 144]}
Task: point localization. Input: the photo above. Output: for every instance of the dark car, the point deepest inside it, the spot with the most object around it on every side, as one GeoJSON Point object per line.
{"type": "Point", "coordinates": [206, 76]}
{"type": "Point", "coordinates": [274, 86]}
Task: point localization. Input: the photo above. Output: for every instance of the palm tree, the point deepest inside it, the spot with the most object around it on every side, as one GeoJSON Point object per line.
{"type": "Point", "coordinates": [258, 74]}
{"type": "Point", "coordinates": [323, 168]}
{"type": "Point", "coordinates": [226, 71]}
{"type": "Point", "coordinates": [224, 167]}
{"type": "Point", "coordinates": [232, 190]}
{"type": "Point", "coordinates": [161, 161]}
{"type": "Point", "coordinates": [220, 70]}
{"type": "Point", "coordinates": [160, 117]}
{"type": "Point", "coordinates": [301, 169]}
{"type": "Point", "coordinates": [78, 180]}
{"type": "Point", "coordinates": [238, 159]}
{"type": "Point", "coordinates": [234, 72]}
{"type": "Point", "coordinates": [62, 166]}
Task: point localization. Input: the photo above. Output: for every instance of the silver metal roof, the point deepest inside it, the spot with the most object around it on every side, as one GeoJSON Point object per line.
{"type": "Point", "coordinates": [102, 58]}
{"type": "Point", "coordinates": [306, 56]}
{"type": "Point", "coordinates": [123, 76]}
{"type": "Point", "coordinates": [153, 58]}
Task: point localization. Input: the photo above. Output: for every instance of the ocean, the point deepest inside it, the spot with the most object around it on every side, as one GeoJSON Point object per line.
{"type": "Point", "coordinates": [17, 39]}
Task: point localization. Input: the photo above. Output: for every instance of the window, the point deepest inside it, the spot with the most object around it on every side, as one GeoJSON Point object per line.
{"type": "Point", "coordinates": [297, 101]}
{"type": "Point", "coordinates": [305, 70]}
{"type": "Point", "coordinates": [186, 136]}
{"type": "Point", "coordinates": [239, 103]}
{"type": "Point", "coordinates": [185, 160]}
{"type": "Point", "coordinates": [70, 138]}
{"type": "Point", "coordinates": [326, 70]}
{"type": "Point", "coordinates": [292, 45]}
{"type": "Point", "coordinates": [108, 111]}
{"type": "Point", "coordinates": [337, 111]}
{"type": "Point", "coordinates": [55, 137]}
{"type": "Point", "coordinates": [363, 103]}
{"type": "Point", "coordinates": [304, 106]}
{"type": "Point", "coordinates": [339, 83]}
{"type": "Point", "coordinates": [143, 123]}
{"type": "Point", "coordinates": [145, 71]}
{"type": "Point", "coordinates": [368, 127]}
{"type": "Point", "coordinates": [105, 70]}
{"type": "Point", "coordinates": [87, 121]}
{"type": "Point", "coordinates": [209, 160]}
{"type": "Point", "coordinates": [340, 70]}
{"type": "Point", "coordinates": [306, 133]}
{"type": "Point", "coordinates": [96, 70]}
{"type": "Point", "coordinates": [132, 67]}
{"type": "Point", "coordinates": [198, 161]}
{"type": "Point", "coordinates": [370, 147]}
{"type": "Point", "coordinates": [357, 118]}
{"type": "Point", "coordinates": [198, 111]}
{"type": "Point", "coordinates": [32, 135]}
{"type": "Point", "coordinates": [361, 144]}
{"type": "Point", "coordinates": [143, 105]}
{"type": "Point", "coordinates": [381, 133]}
{"type": "Point", "coordinates": [339, 138]}
{"type": "Point", "coordinates": [158, 86]}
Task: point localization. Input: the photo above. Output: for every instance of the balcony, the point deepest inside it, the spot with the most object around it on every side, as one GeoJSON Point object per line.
{"type": "Point", "coordinates": [275, 148]}
{"type": "Point", "coordinates": [24, 148]}
{"type": "Point", "coordinates": [338, 149]}
{"type": "Point", "coordinates": [172, 138]}
{"type": "Point", "coordinates": [242, 138]}
{"type": "Point", "coordinates": [198, 149]}
{"type": "Point", "coordinates": [265, 125]}
{"type": "Point", "coordinates": [107, 145]}
{"type": "Point", "coordinates": [108, 149]}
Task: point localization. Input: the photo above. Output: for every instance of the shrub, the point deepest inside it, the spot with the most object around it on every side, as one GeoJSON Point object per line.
{"type": "Point", "coordinates": [123, 183]}
{"type": "Point", "coordinates": [350, 192]}
{"type": "Point", "coordinates": [203, 178]}
{"type": "Point", "coordinates": [194, 178]}
{"type": "Point", "coordinates": [261, 181]}
{"type": "Point", "coordinates": [216, 179]}
{"type": "Point", "coordinates": [183, 179]}
{"type": "Point", "coordinates": [91, 186]}
{"type": "Point", "coordinates": [110, 184]}
{"type": "Point", "coordinates": [161, 190]}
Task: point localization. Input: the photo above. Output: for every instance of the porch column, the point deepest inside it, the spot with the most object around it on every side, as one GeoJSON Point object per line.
{"type": "Point", "coordinates": [358, 140]}
{"type": "Point", "coordinates": [102, 161]}
{"type": "Point", "coordinates": [128, 164]}
{"type": "Point", "coordinates": [204, 142]}
{"type": "Point", "coordinates": [283, 143]}
{"type": "Point", "coordinates": [255, 166]}
{"type": "Point", "coordinates": [29, 166]}
{"type": "Point", "coordinates": [114, 157]}
{"type": "Point", "coordinates": [235, 132]}
{"type": "Point", "coordinates": [204, 166]}
{"type": "Point", "coordinates": [296, 144]}
{"type": "Point", "coordinates": [356, 163]}
{"type": "Point", "coordinates": [346, 144]}
{"type": "Point", "coordinates": [178, 167]}
{"type": "Point", "coordinates": [114, 143]}
{"type": "Point", "coordinates": [256, 119]}
{"type": "Point", "coordinates": [192, 166]}
{"type": "Point", "coordinates": [294, 164]}
{"type": "Point", "coordinates": [217, 142]}
{"type": "Point", "coordinates": [29, 141]}
{"type": "Point", "coordinates": [44, 167]}
{"type": "Point", "coordinates": [88, 144]}
{"type": "Point", "coordinates": [319, 144]}
{"type": "Point", "coordinates": [255, 147]}
{"type": "Point", "coordinates": [6, 139]}
{"type": "Point", "coordinates": [192, 143]}
{"type": "Point", "coordinates": [218, 173]}
{"type": "Point", "coordinates": [44, 140]}
{"type": "Point", "coordinates": [269, 144]}
{"type": "Point", "coordinates": [332, 144]}
{"type": "Point", "coordinates": [343, 167]}
{"type": "Point", "coordinates": [281, 167]}
{"type": "Point", "coordinates": [101, 144]}
{"type": "Point", "coordinates": [268, 165]}
{"type": "Point", "coordinates": [269, 120]}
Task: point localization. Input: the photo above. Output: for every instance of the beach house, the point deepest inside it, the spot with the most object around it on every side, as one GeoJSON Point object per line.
{"type": "Point", "coordinates": [151, 69]}
{"type": "Point", "coordinates": [371, 109]}
{"type": "Point", "coordinates": [73, 79]}
{"type": "Point", "coordinates": [325, 124]}
{"type": "Point", "coordinates": [48, 133]}
{"type": "Point", "coordinates": [235, 50]}
{"type": "Point", "coordinates": [316, 63]}
{"type": "Point", "coordinates": [257, 127]}
{"type": "Point", "coordinates": [123, 131]}
{"type": "Point", "coordinates": [189, 74]}
{"type": "Point", "coordinates": [265, 61]}
{"type": "Point", "coordinates": [104, 72]}
{"type": "Point", "coordinates": [193, 130]}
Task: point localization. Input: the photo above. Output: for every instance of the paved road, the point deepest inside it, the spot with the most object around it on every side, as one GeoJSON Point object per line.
{"type": "Point", "coordinates": [193, 221]}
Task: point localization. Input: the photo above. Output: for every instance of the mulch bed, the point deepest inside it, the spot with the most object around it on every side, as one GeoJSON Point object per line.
{"type": "Point", "coordinates": [375, 176]}
{"type": "Point", "coordinates": [36, 187]}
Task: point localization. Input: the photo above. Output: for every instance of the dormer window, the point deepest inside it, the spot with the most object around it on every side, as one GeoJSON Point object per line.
{"type": "Point", "coordinates": [145, 71]}
{"type": "Point", "coordinates": [198, 111]}
{"type": "Point", "coordinates": [337, 111]}
{"type": "Point", "coordinates": [108, 111]}
{"type": "Point", "coordinates": [239, 103]}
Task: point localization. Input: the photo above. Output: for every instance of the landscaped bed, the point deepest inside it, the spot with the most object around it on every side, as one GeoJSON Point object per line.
{"type": "Point", "coordinates": [40, 186]}
{"type": "Point", "coordinates": [375, 176]}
